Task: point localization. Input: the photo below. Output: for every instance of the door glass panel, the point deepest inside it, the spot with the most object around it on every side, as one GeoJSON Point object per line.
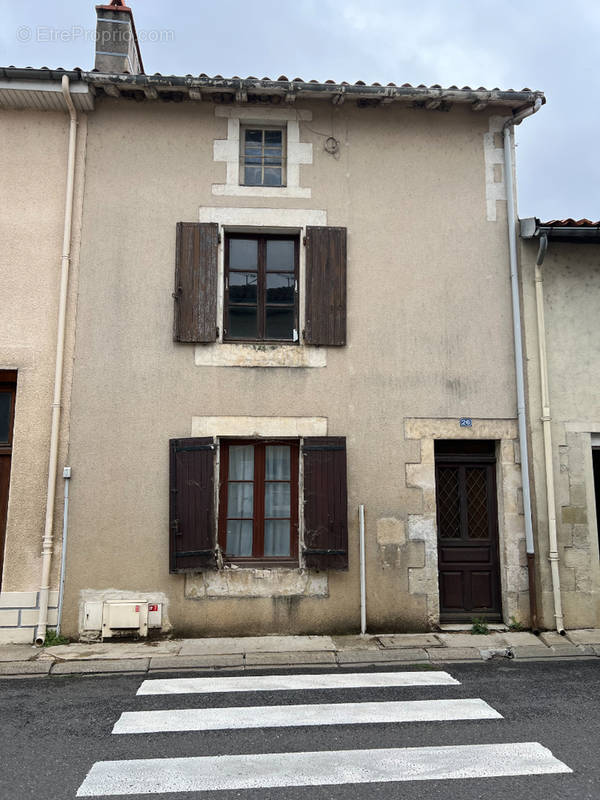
{"type": "Point", "coordinates": [239, 537]}
{"type": "Point", "coordinates": [5, 410]}
{"type": "Point", "coordinates": [243, 253]}
{"type": "Point", "coordinates": [477, 498]}
{"type": "Point", "coordinates": [277, 537]}
{"type": "Point", "coordinates": [280, 255]}
{"type": "Point", "coordinates": [448, 503]}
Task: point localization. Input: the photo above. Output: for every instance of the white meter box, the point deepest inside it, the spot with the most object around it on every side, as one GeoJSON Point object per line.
{"type": "Point", "coordinates": [117, 617]}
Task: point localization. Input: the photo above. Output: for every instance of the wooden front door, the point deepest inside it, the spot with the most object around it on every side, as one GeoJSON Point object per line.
{"type": "Point", "coordinates": [467, 522]}
{"type": "Point", "coordinates": [7, 414]}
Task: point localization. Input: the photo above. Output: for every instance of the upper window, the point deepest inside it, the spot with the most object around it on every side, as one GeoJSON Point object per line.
{"type": "Point", "coordinates": [262, 156]}
{"type": "Point", "coordinates": [258, 512]}
{"type": "Point", "coordinates": [261, 288]}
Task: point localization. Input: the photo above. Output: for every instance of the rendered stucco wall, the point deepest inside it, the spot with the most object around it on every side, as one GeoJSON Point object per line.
{"type": "Point", "coordinates": [429, 335]}
{"type": "Point", "coordinates": [33, 166]}
{"type": "Point", "coordinates": [571, 280]}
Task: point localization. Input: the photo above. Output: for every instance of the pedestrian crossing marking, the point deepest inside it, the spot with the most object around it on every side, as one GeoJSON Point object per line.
{"type": "Point", "coordinates": [273, 683]}
{"type": "Point", "coordinates": [268, 770]}
{"type": "Point", "coordinates": [207, 719]}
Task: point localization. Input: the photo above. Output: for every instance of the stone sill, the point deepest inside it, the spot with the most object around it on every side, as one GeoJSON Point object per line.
{"type": "Point", "coordinates": [227, 354]}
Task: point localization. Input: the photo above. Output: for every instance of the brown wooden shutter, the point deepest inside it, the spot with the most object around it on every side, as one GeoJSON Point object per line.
{"type": "Point", "coordinates": [325, 502]}
{"type": "Point", "coordinates": [192, 504]}
{"type": "Point", "coordinates": [196, 282]}
{"type": "Point", "coordinates": [325, 286]}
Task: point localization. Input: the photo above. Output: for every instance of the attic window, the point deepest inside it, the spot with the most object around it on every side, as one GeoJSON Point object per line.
{"type": "Point", "coordinates": [262, 155]}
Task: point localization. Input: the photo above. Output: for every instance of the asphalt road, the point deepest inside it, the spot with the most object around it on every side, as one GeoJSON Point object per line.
{"type": "Point", "coordinates": [52, 731]}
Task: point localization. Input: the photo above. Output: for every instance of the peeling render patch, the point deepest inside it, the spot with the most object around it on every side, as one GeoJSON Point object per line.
{"type": "Point", "coordinates": [390, 531]}
{"type": "Point", "coordinates": [494, 166]}
{"type": "Point", "coordinates": [244, 583]}
{"type": "Point", "coordinates": [118, 596]}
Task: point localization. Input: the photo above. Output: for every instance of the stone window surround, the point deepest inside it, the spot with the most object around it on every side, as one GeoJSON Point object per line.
{"type": "Point", "coordinates": [511, 523]}
{"type": "Point", "coordinates": [232, 581]}
{"type": "Point", "coordinates": [260, 220]}
{"type": "Point", "coordinates": [228, 150]}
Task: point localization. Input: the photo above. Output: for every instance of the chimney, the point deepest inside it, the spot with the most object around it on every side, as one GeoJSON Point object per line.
{"type": "Point", "coordinates": [117, 48]}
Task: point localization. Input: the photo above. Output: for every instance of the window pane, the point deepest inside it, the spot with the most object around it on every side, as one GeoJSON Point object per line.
{"type": "Point", "coordinates": [277, 537]}
{"type": "Point", "coordinates": [277, 500]}
{"type": "Point", "coordinates": [243, 323]}
{"type": "Point", "coordinates": [240, 500]}
{"type": "Point", "coordinates": [280, 323]}
{"type": "Point", "coordinates": [243, 254]}
{"type": "Point", "coordinates": [277, 467]}
{"type": "Point", "coordinates": [253, 176]}
{"type": "Point", "coordinates": [280, 255]}
{"type": "Point", "coordinates": [239, 537]}
{"type": "Point", "coordinates": [273, 137]}
{"type": "Point", "coordinates": [280, 288]}
{"type": "Point", "coordinates": [272, 176]}
{"type": "Point", "coordinates": [254, 135]}
{"type": "Point", "coordinates": [241, 462]}
{"type": "Point", "coordinates": [242, 287]}
{"type": "Point", "coordinates": [5, 404]}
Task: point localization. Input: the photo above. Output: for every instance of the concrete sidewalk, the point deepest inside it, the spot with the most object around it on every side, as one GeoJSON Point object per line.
{"type": "Point", "coordinates": [293, 651]}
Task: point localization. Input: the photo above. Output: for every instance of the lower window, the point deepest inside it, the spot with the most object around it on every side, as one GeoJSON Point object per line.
{"type": "Point", "coordinates": [258, 504]}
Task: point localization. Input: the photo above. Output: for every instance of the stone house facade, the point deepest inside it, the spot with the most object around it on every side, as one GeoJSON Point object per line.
{"type": "Point", "coordinates": [289, 302]}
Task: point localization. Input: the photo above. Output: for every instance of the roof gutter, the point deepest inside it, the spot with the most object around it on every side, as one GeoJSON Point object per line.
{"type": "Point", "coordinates": [532, 228]}
{"type": "Point", "coordinates": [237, 89]}
{"type": "Point", "coordinates": [508, 126]}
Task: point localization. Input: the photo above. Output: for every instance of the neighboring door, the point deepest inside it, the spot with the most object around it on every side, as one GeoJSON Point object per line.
{"type": "Point", "coordinates": [8, 385]}
{"type": "Point", "coordinates": [467, 522]}
{"type": "Point", "coordinates": [596, 465]}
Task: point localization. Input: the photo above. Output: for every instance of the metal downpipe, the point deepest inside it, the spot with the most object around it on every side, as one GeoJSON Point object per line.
{"type": "Point", "coordinates": [47, 542]}
{"type": "Point", "coordinates": [547, 432]}
{"type": "Point", "coordinates": [518, 347]}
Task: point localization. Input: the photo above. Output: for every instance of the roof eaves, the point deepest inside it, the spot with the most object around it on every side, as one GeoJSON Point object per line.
{"type": "Point", "coordinates": [564, 230]}
{"type": "Point", "coordinates": [237, 89]}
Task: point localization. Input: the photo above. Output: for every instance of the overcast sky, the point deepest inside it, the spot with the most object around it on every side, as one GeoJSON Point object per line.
{"type": "Point", "coordinates": [541, 44]}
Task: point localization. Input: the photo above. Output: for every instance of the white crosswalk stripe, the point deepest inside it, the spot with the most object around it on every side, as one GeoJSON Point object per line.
{"type": "Point", "coordinates": [274, 683]}
{"type": "Point", "coordinates": [207, 719]}
{"type": "Point", "coordinates": [158, 775]}
{"type": "Point", "coordinates": [321, 768]}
